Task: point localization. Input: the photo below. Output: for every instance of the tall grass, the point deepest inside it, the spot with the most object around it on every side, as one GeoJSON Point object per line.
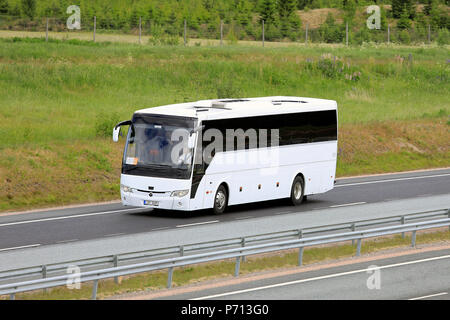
{"type": "Point", "coordinates": [57, 90]}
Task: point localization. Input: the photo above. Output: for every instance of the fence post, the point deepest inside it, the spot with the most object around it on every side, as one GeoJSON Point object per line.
{"type": "Point", "coordinates": [306, 34]}
{"type": "Point", "coordinates": [185, 31]}
{"type": "Point", "coordinates": [94, 290]}
{"type": "Point", "coordinates": [140, 29]}
{"type": "Point", "coordinates": [115, 263]}
{"type": "Point", "coordinates": [358, 248]}
{"type": "Point", "coordinates": [46, 31]}
{"type": "Point", "coordinates": [44, 275]}
{"type": "Point", "coordinates": [221, 32]}
{"type": "Point", "coordinates": [263, 35]}
{"type": "Point", "coordinates": [346, 33]}
{"type": "Point", "coordinates": [389, 34]}
{"type": "Point", "coordinates": [169, 278]}
{"type": "Point", "coordinates": [413, 239]}
{"type": "Point", "coordinates": [95, 25]}
{"type": "Point", "coordinates": [429, 34]}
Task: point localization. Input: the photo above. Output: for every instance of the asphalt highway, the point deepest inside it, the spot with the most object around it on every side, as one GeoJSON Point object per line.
{"type": "Point", "coordinates": [59, 226]}
{"type": "Point", "coordinates": [420, 276]}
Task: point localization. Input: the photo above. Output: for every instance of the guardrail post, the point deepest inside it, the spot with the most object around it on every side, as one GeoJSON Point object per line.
{"type": "Point", "coordinates": [300, 256]}
{"type": "Point", "coordinates": [300, 250]}
{"type": "Point", "coordinates": [358, 248]}
{"type": "Point", "coordinates": [413, 240]}
{"type": "Point", "coordinates": [169, 278]}
{"type": "Point", "coordinates": [448, 213]}
{"type": "Point", "coordinates": [116, 263]}
{"type": "Point", "coordinates": [237, 266]}
{"type": "Point", "coordinates": [94, 290]}
{"type": "Point", "coordinates": [181, 251]}
{"type": "Point", "coordinates": [402, 221]}
{"type": "Point", "coordinates": [44, 275]}
{"type": "Point", "coordinates": [12, 296]}
{"type": "Point", "coordinates": [352, 228]}
{"type": "Point", "coordinates": [243, 245]}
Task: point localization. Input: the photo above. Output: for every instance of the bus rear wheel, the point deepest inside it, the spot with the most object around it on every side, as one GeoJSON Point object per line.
{"type": "Point", "coordinates": [297, 191]}
{"type": "Point", "coordinates": [220, 200]}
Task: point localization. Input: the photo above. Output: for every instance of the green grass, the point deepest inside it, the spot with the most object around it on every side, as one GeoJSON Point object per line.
{"type": "Point", "coordinates": [58, 100]}
{"type": "Point", "coordinates": [193, 274]}
{"type": "Point", "coordinates": [54, 91]}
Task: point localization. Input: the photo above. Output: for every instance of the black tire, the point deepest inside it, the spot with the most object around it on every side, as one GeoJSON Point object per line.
{"type": "Point", "coordinates": [297, 191]}
{"type": "Point", "coordinates": [220, 200]}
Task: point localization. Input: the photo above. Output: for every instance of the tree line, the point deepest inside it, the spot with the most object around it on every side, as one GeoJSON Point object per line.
{"type": "Point", "coordinates": [242, 18]}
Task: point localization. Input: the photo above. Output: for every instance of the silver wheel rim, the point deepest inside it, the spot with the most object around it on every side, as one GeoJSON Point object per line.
{"type": "Point", "coordinates": [297, 190]}
{"type": "Point", "coordinates": [220, 200]}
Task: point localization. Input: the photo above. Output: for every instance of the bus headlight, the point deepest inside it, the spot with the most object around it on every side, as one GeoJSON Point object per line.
{"type": "Point", "coordinates": [125, 188]}
{"type": "Point", "coordinates": [179, 193]}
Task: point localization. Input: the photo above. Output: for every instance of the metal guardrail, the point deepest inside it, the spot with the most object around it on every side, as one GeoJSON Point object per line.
{"type": "Point", "coordinates": [44, 271]}
{"type": "Point", "coordinates": [237, 253]}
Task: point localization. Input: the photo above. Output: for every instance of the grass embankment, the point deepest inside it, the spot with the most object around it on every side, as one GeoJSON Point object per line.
{"type": "Point", "coordinates": [209, 271]}
{"type": "Point", "coordinates": [57, 98]}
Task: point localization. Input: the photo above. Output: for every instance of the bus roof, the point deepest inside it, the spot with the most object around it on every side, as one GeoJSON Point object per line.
{"type": "Point", "coordinates": [242, 107]}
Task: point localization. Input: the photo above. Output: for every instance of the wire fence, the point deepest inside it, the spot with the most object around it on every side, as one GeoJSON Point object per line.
{"type": "Point", "coordinates": [148, 31]}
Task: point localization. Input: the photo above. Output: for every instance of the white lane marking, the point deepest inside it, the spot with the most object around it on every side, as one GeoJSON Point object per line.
{"type": "Point", "coordinates": [21, 247]}
{"type": "Point", "coordinates": [347, 204]}
{"type": "Point", "coordinates": [390, 180]}
{"type": "Point", "coordinates": [430, 296]}
{"type": "Point", "coordinates": [196, 224]}
{"type": "Point", "coordinates": [283, 212]}
{"type": "Point", "coordinates": [64, 241]}
{"type": "Point", "coordinates": [243, 218]}
{"type": "Point", "coordinates": [162, 228]}
{"type": "Point", "coordinates": [113, 234]}
{"type": "Point", "coordinates": [335, 275]}
{"type": "Point", "coordinates": [67, 217]}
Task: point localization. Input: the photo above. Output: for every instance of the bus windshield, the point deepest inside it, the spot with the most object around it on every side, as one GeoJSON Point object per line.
{"type": "Point", "coordinates": [157, 146]}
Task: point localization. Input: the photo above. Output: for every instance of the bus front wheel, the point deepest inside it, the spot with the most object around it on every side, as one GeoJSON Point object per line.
{"type": "Point", "coordinates": [297, 191]}
{"type": "Point", "coordinates": [220, 200]}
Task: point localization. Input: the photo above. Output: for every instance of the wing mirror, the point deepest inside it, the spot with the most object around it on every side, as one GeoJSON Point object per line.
{"type": "Point", "coordinates": [191, 140]}
{"type": "Point", "coordinates": [116, 130]}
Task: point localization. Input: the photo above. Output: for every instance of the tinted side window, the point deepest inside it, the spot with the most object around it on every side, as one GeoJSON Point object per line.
{"type": "Point", "coordinates": [323, 126]}
{"type": "Point", "coordinates": [294, 128]}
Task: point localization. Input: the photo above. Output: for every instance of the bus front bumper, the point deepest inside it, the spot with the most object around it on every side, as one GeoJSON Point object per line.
{"type": "Point", "coordinates": [157, 202]}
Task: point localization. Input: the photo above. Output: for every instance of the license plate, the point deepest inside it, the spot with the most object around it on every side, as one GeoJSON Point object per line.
{"type": "Point", "coordinates": [151, 203]}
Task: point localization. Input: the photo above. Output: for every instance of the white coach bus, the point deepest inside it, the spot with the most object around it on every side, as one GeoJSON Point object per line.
{"type": "Point", "coordinates": [212, 154]}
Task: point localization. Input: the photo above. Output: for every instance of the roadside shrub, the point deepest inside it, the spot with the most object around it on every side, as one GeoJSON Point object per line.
{"type": "Point", "coordinates": [404, 37]}
{"type": "Point", "coordinates": [227, 90]}
{"type": "Point", "coordinates": [443, 37]}
{"type": "Point", "coordinates": [161, 38]}
{"type": "Point", "coordinates": [105, 123]}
